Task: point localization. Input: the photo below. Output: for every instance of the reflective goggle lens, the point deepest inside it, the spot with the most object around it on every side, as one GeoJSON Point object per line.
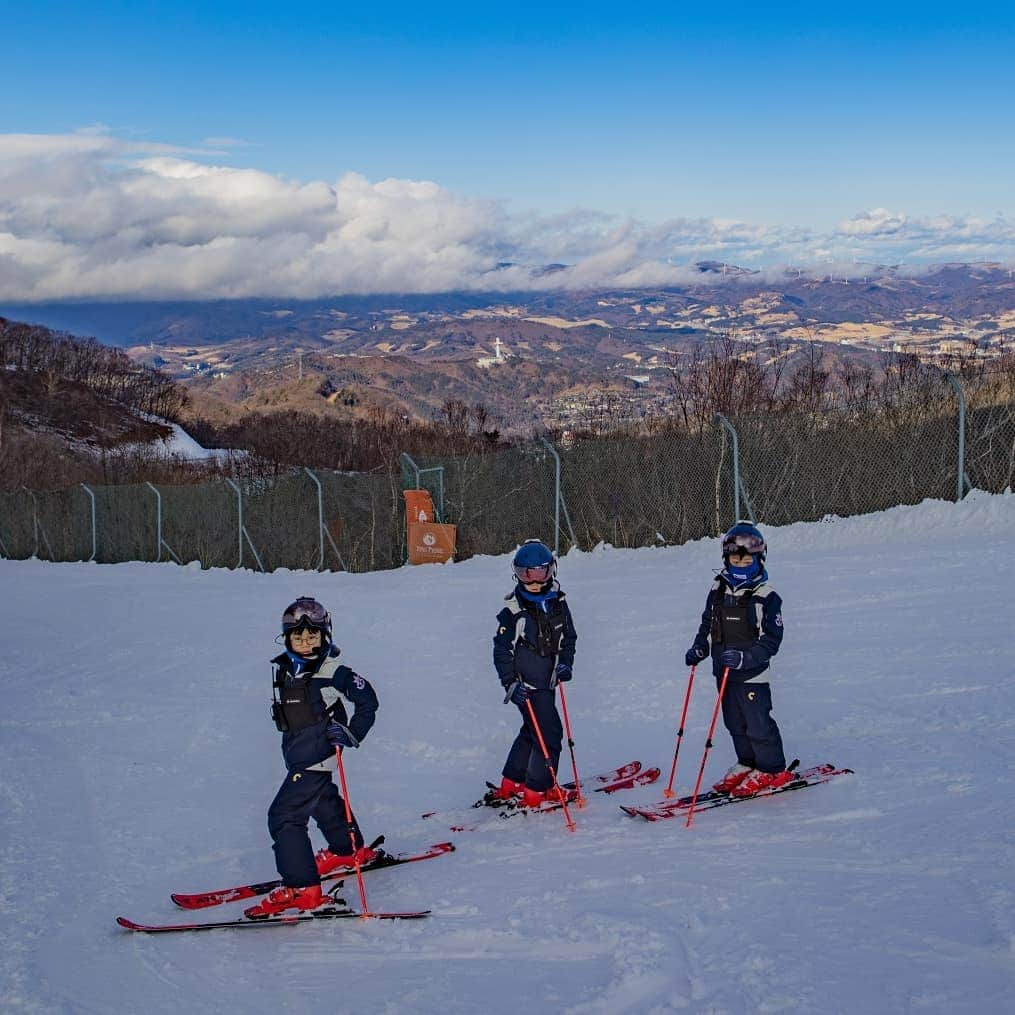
{"type": "Point", "coordinates": [308, 614]}
{"type": "Point", "coordinates": [530, 575]}
{"type": "Point", "coordinates": [744, 544]}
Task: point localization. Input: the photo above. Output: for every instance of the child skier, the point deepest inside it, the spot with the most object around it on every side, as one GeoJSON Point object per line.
{"type": "Point", "coordinates": [533, 651]}
{"type": "Point", "coordinates": [743, 618]}
{"type": "Point", "coordinates": [313, 722]}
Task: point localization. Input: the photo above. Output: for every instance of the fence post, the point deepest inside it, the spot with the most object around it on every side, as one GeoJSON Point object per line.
{"type": "Point", "coordinates": [95, 541]}
{"type": "Point", "coordinates": [440, 494]}
{"type": "Point", "coordinates": [158, 520]}
{"type": "Point", "coordinates": [738, 483]}
{"type": "Point", "coordinates": [35, 521]}
{"type": "Point", "coordinates": [37, 526]}
{"type": "Point", "coordinates": [321, 530]}
{"type": "Point", "coordinates": [239, 526]}
{"type": "Point", "coordinates": [320, 517]}
{"type": "Point", "coordinates": [242, 529]}
{"type": "Point", "coordinates": [407, 459]}
{"type": "Point", "coordinates": [558, 501]}
{"type": "Point", "coordinates": [556, 495]}
{"type": "Point", "coordinates": [962, 480]}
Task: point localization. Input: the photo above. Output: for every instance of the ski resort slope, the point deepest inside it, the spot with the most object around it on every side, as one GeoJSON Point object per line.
{"type": "Point", "coordinates": [138, 758]}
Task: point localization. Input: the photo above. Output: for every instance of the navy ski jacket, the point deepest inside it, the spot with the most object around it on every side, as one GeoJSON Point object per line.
{"type": "Point", "coordinates": [518, 649]}
{"type": "Point", "coordinates": [310, 745]}
{"type": "Point", "coordinates": [767, 615]}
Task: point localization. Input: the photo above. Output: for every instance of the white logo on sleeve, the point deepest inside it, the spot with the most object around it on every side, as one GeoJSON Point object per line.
{"type": "Point", "coordinates": [778, 620]}
{"type": "Point", "coordinates": [358, 681]}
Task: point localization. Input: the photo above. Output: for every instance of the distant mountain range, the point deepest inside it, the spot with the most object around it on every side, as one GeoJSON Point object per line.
{"type": "Point", "coordinates": [534, 357]}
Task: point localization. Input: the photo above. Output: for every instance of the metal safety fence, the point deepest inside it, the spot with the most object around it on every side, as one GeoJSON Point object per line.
{"type": "Point", "coordinates": [803, 467]}
{"type": "Point", "coordinates": [659, 488]}
{"type": "Point", "coordinates": [303, 520]}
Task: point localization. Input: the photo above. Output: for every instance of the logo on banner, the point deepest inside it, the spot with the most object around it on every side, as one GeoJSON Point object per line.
{"type": "Point", "coordinates": [429, 539]}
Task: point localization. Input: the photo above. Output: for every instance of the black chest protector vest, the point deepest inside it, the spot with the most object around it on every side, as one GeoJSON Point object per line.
{"type": "Point", "coordinates": [292, 705]}
{"type": "Point", "coordinates": [549, 633]}
{"type": "Point", "coordinates": [733, 625]}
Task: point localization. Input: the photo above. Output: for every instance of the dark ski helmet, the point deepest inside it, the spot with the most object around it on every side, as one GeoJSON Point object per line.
{"type": "Point", "coordinates": [747, 537]}
{"type": "Point", "coordinates": [306, 613]}
{"type": "Point", "coordinates": [534, 562]}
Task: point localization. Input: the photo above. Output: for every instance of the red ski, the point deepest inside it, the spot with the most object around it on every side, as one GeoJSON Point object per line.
{"type": "Point", "coordinates": [510, 810]}
{"type": "Point", "coordinates": [645, 778]}
{"type": "Point", "coordinates": [282, 920]}
{"type": "Point", "coordinates": [614, 778]}
{"type": "Point", "coordinates": [202, 900]}
{"type": "Point", "coordinates": [706, 801]}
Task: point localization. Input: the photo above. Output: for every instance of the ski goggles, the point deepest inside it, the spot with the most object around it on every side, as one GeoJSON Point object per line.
{"type": "Point", "coordinates": [305, 613]}
{"type": "Point", "coordinates": [742, 543]}
{"type": "Point", "coordinates": [541, 573]}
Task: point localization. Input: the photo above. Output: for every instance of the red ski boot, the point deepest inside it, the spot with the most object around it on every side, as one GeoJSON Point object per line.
{"type": "Point", "coordinates": [328, 861]}
{"type": "Point", "coordinates": [507, 790]}
{"type": "Point", "coordinates": [733, 778]}
{"type": "Point", "coordinates": [757, 781]}
{"type": "Point", "coordinates": [533, 797]}
{"type": "Point", "coordinates": [284, 898]}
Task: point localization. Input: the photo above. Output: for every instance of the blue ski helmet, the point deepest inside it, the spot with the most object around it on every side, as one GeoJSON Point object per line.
{"type": "Point", "coordinates": [307, 612]}
{"type": "Point", "coordinates": [747, 537]}
{"type": "Point", "coordinates": [534, 562]}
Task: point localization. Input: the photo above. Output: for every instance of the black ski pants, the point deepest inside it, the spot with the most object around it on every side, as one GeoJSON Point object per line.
{"type": "Point", "coordinates": [306, 795]}
{"type": "Point", "coordinates": [747, 713]}
{"type": "Point", "coordinates": [525, 762]}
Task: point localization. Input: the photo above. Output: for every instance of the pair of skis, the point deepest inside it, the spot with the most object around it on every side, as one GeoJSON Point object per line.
{"type": "Point", "coordinates": [339, 910]}
{"type": "Point", "coordinates": [202, 900]}
{"type": "Point", "coordinates": [803, 778]}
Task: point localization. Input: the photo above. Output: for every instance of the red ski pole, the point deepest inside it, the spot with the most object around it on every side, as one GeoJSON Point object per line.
{"type": "Point", "coordinates": [546, 758]}
{"type": "Point", "coordinates": [668, 792]}
{"type": "Point", "coordinates": [570, 744]}
{"type": "Point", "coordinates": [352, 834]}
{"type": "Point", "coordinates": [708, 746]}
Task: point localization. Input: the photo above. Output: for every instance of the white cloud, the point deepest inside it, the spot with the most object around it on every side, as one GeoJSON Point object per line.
{"type": "Point", "coordinates": [90, 215]}
{"type": "Point", "coordinates": [877, 222]}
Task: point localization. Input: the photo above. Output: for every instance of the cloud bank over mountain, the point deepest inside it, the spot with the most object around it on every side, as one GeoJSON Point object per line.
{"type": "Point", "coordinates": [92, 216]}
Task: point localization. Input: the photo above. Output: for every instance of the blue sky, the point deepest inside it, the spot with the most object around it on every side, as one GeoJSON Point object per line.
{"type": "Point", "coordinates": [789, 117]}
{"type": "Point", "coordinates": [792, 114]}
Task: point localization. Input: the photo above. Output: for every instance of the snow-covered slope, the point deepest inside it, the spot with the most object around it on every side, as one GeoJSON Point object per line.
{"type": "Point", "coordinates": [181, 444]}
{"type": "Point", "coordinates": [138, 757]}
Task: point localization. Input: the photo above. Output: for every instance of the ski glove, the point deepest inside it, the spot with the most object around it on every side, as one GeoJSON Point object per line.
{"type": "Point", "coordinates": [695, 654]}
{"type": "Point", "coordinates": [517, 693]}
{"type": "Point", "coordinates": [560, 674]}
{"type": "Point", "coordinates": [733, 658]}
{"type": "Point", "coordinates": [339, 736]}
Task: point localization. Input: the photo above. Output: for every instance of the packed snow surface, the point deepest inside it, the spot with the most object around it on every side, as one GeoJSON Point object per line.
{"type": "Point", "coordinates": [138, 758]}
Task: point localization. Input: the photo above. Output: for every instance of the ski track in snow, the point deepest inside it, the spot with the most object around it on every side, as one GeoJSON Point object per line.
{"type": "Point", "coordinates": [137, 758]}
